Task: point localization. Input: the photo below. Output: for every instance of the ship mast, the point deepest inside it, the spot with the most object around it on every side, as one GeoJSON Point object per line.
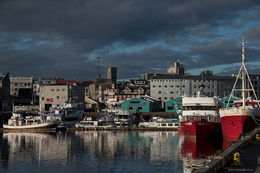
{"type": "Point", "coordinates": [243, 73]}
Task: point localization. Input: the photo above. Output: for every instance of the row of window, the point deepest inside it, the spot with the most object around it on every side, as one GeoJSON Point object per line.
{"type": "Point", "coordinates": [58, 89]}
{"type": "Point", "coordinates": [177, 86]}
{"type": "Point", "coordinates": [178, 80]}
{"type": "Point", "coordinates": [22, 84]}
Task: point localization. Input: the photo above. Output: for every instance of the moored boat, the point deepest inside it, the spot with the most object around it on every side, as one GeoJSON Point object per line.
{"type": "Point", "coordinates": [17, 122]}
{"type": "Point", "coordinates": [245, 114]}
{"type": "Point", "coordinates": [200, 118]}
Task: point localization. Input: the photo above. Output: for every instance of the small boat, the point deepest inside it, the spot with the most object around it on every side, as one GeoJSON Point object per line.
{"type": "Point", "coordinates": [17, 122]}
{"type": "Point", "coordinates": [161, 123]}
{"type": "Point", "coordinates": [86, 124]}
{"type": "Point", "coordinates": [123, 118]}
{"type": "Point", "coordinates": [244, 116]}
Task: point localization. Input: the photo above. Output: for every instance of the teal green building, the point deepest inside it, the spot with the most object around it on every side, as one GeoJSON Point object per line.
{"type": "Point", "coordinates": [142, 104]}
{"type": "Point", "coordinates": [174, 105]}
{"type": "Point", "coordinates": [224, 101]}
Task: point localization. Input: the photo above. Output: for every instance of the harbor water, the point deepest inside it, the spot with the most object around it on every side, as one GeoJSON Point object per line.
{"type": "Point", "coordinates": [102, 151]}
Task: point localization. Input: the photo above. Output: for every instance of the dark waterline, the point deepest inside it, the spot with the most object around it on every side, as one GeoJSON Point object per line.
{"type": "Point", "coordinates": [102, 151]}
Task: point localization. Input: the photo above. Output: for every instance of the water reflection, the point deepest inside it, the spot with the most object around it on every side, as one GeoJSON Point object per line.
{"type": "Point", "coordinates": [91, 151]}
{"type": "Point", "coordinates": [101, 151]}
{"type": "Point", "coordinates": [196, 153]}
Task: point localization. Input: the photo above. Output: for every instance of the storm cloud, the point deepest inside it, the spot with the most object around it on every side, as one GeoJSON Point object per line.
{"type": "Point", "coordinates": [47, 38]}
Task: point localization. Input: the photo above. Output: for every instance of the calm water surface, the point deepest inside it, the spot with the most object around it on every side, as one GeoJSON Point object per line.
{"type": "Point", "coordinates": [101, 151]}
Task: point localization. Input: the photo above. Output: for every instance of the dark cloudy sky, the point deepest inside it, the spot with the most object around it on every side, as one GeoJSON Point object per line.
{"type": "Point", "coordinates": [47, 38]}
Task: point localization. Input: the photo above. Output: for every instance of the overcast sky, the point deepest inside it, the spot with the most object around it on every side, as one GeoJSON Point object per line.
{"type": "Point", "coordinates": [48, 38]}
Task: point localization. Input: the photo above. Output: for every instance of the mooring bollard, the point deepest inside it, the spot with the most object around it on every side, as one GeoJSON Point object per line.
{"type": "Point", "coordinates": [236, 160]}
{"type": "Point", "coordinates": [257, 137]}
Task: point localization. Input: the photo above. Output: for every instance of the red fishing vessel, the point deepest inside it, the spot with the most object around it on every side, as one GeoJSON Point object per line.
{"type": "Point", "coordinates": [245, 114]}
{"type": "Point", "coordinates": [200, 116]}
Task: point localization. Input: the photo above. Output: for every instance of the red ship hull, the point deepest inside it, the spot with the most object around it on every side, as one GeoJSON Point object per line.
{"type": "Point", "coordinates": [197, 149]}
{"type": "Point", "coordinates": [234, 126]}
{"type": "Point", "coordinates": [198, 130]}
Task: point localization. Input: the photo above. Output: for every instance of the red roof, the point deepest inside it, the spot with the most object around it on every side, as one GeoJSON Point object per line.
{"type": "Point", "coordinates": [63, 82]}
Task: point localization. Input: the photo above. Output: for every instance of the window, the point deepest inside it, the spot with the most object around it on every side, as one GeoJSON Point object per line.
{"type": "Point", "coordinates": [139, 108]}
{"type": "Point", "coordinates": [58, 97]}
{"type": "Point", "coordinates": [160, 98]}
{"type": "Point", "coordinates": [160, 86]}
{"type": "Point", "coordinates": [177, 86]}
{"type": "Point", "coordinates": [58, 90]}
{"type": "Point", "coordinates": [52, 89]}
{"type": "Point", "coordinates": [135, 102]}
{"type": "Point", "coordinates": [63, 89]}
{"type": "Point", "coordinates": [170, 124]}
{"type": "Point", "coordinates": [171, 92]}
{"type": "Point", "coordinates": [171, 86]}
{"type": "Point", "coordinates": [165, 86]}
{"type": "Point", "coordinates": [159, 92]}
{"type": "Point", "coordinates": [165, 98]}
{"type": "Point", "coordinates": [163, 124]}
{"type": "Point", "coordinates": [170, 107]}
{"type": "Point", "coordinates": [130, 108]}
{"type": "Point", "coordinates": [153, 86]}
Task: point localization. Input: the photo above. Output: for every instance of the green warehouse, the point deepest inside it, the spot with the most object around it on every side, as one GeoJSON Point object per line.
{"type": "Point", "coordinates": [174, 105]}
{"type": "Point", "coordinates": [142, 104]}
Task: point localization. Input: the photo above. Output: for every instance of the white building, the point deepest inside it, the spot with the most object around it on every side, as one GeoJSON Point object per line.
{"type": "Point", "coordinates": [57, 95]}
{"type": "Point", "coordinates": [169, 87]}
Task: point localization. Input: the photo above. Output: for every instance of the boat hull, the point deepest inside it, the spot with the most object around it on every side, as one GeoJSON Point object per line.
{"type": "Point", "coordinates": [235, 122]}
{"type": "Point", "coordinates": [198, 130]}
{"type": "Point", "coordinates": [31, 127]}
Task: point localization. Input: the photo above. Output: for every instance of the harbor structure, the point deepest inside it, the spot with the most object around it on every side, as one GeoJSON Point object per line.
{"type": "Point", "coordinates": [56, 95]}
{"type": "Point", "coordinates": [142, 104]}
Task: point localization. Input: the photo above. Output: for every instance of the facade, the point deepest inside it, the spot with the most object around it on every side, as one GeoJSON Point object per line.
{"type": "Point", "coordinates": [18, 83]}
{"type": "Point", "coordinates": [174, 105]}
{"type": "Point", "coordinates": [5, 101]}
{"type": "Point", "coordinates": [112, 74]}
{"type": "Point", "coordinates": [126, 90]}
{"type": "Point", "coordinates": [176, 69]}
{"type": "Point", "coordinates": [57, 95]}
{"type": "Point", "coordinates": [255, 79]}
{"type": "Point", "coordinates": [142, 104]}
{"type": "Point", "coordinates": [149, 75]}
{"type": "Point", "coordinates": [97, 89]}
{"type": "Point", "coordinates": [21, 90]}
{"type": "Point", "coordinates": [169, 87]}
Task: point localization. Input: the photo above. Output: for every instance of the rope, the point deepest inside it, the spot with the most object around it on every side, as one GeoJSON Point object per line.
{"type": "Point", "coordinates": [255, 120]}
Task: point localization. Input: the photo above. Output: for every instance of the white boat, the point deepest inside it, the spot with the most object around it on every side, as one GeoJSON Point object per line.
{"type": "Point", "coordinates": [67, 112]}
{"type": "Point", "coordinates": [86, 124]}
{"type": "Point", "coordinates": [17, 122]}
{"type": "Point", "coordinates": [123, 118]}
{"type": "Point", "coordinates": [161, 123]}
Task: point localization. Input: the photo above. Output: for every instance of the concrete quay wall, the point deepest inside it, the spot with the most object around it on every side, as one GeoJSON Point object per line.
{"type": "Point", "coordinates": [227, 156]}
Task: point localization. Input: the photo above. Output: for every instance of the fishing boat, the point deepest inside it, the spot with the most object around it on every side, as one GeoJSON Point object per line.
{"type": "Point", "coordinates": [200, 117]}
{"type": "Point", "coordinates": [245, 114]}
{"type": "Point", "coordinates": [18, 122]}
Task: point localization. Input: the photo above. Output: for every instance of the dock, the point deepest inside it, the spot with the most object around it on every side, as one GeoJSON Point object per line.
{"type": "Point", "coordinates": [249, 151]}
